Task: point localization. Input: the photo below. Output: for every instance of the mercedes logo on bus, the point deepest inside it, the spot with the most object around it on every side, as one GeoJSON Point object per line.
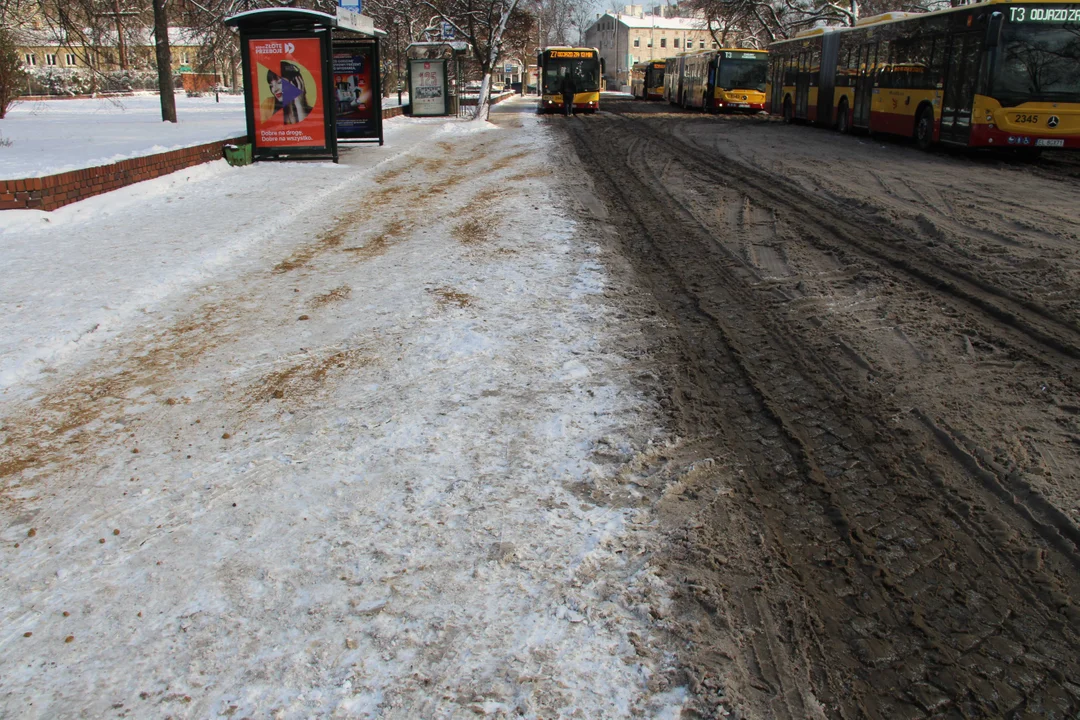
{"type": "Point", "coordinates": [1052, 121]}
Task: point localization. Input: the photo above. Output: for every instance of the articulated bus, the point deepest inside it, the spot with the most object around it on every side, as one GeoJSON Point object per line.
{"type": "Point", "coordinates": [581, 66]}
{"type": "Point", "coordinates": [725, 79]}
{"type": "Point", "coordinates": [673, 75]}
{"type": "Point", "coordinates": [995, 74]}
{"type": "Point", "coordinates": [647, 80]}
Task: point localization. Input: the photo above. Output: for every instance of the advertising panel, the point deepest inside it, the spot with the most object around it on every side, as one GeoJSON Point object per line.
{"type": "Point", "coordinates": [286, 82]}
{"type": "Point", "coordinates": [428, 92]}
{"type": "Point", "coordinates": [354, 86]}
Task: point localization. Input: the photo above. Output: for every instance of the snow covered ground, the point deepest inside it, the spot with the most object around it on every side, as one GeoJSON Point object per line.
{"type": "Point", "coordinates": [53, 136]}
{"type": "Point", "coordinates": [304, 440]}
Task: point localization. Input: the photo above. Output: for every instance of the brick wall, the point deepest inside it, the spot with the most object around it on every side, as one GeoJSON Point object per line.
{"type": "Point", "coordinates": [54, 191]}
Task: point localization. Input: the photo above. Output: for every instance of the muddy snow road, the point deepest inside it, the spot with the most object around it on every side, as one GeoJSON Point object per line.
{"type": "Point", "coordinates": [873, 370]}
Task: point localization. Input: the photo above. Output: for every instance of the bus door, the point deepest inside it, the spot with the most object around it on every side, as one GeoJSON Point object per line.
{"type": "Point", "coordinates": [778, 64]}
{"type": "Point", "coordinates": [802, 86]}
{"type": "Point", "coordinates": [864, 84]}
{"type": "Point", "coordinates": [710, 83]}
{"type": "Point", "coordinates": [961, 71]}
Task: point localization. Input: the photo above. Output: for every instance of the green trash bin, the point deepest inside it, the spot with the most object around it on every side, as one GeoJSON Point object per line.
{"type": "Point", "coordinates": [237, 155]}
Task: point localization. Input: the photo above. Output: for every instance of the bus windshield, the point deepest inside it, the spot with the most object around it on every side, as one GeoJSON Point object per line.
{"type": "Point", "coordinates": [740, 74]}
{"type": "Point", "coordinates": [585, 73]}
{"type": "Point", "coordinates": [1037, 61]}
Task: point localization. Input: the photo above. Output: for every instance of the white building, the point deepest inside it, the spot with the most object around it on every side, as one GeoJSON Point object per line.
{"type": "Point", "coordinates": [624, 38]}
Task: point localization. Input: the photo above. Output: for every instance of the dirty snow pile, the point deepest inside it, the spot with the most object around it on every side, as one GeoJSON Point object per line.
{"type": "Point", "coordinates": [306, 440]}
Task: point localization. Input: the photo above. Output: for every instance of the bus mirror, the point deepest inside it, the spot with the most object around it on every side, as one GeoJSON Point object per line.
{"type": "Point", "coordinates": [993, 29]}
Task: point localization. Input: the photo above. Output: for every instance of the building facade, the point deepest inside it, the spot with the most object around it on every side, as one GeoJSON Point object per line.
{"type": "Point", "coordinates": [43, 49]}
{"type": "Point", "coordinates": [624, 38]}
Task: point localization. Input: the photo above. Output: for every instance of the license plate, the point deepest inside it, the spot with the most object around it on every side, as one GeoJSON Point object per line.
{"type": "Point", "coordinates": [1046, 142]}
{"type": "Point", "coordinates": [739, 105]}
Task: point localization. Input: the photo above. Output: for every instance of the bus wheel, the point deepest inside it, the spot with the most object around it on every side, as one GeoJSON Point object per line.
{"type": "Point", "coordinates": [789, 113]}
{"type": "Point", "coordinates": [924, 129]}
{"type": "Point", "coordinates": [843, 121]}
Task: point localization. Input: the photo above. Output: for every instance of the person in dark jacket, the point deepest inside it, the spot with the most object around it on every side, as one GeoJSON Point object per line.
{"type": "Point", "coordinates": [568, 89]}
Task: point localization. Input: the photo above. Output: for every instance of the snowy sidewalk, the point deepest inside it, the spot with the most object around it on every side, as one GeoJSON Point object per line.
{"type": "Point", "coordinates": [304, 440]}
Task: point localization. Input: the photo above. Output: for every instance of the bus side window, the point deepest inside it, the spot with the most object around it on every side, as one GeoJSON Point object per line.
{"type": "Point", "coordinates": [921, 57]}
{"type": "Point", "coordinates": [937, 59]}
{"type": "Point", "coordinates": [880, 64]}
{"type": "Point", "coordinates": [843, 68]}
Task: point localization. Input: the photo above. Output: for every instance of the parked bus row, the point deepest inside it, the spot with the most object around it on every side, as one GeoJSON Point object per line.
{"type": "Point", "coordinates": [999, 73]}
{"type": "Point", "coordinates": [995, 74]}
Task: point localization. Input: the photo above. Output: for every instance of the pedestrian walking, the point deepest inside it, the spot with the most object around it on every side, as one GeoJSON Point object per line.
{"type": "Point", "coordinates": [568, 90]}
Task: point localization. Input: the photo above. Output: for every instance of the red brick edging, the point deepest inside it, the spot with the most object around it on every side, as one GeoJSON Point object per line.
{"type": "Point", "coordinates": [54, 191]}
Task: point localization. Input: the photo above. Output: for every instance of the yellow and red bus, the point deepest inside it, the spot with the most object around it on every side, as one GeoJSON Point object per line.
{"type": "Point", "coordinates": [724, 79]}
{"type": "Point", "coordinates": [673, 74]}
{"type": "Point", "coordinates": [647, 80]}
{"type": "Point", "coordinates": [578, 67]}
{"type": "Point", "coordinates": [999, 74]}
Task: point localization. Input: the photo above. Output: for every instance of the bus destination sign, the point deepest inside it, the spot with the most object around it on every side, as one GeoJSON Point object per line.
{"type": "Point", "coordinates": [571, 54]}
{"type": "Point", "coordinates": [743, 55]}
{"type": "Point", "coordinates": [1028, 14]}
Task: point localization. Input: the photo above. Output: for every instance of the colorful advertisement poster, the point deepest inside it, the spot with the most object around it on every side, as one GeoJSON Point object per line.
{"type": "Point", "coordinates": [287, 91]}
{"type": "Point", "coordinates": [428, 92]}
{"type": "Point", "coordinates": [355, 92]}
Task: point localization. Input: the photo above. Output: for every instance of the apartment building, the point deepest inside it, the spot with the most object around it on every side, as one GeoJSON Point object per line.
{"type": "Point", "coordinates": [630, 36]}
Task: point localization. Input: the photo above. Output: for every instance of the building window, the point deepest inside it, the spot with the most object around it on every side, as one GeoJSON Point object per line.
{"type": "Point", "coordinates": [676, 42]}
{"type": "Point", "coordinates": [650, 42]}
{"type": "Point", "coordinates": [184, 59]}
{"type": "Point", "coordinates": [30, 59]}
{"type": "Point", "coordinates": [70, 58]}
{"type": "Point", "coordinates": [663, 42]}
{"type": "Point", "coordinates": [637, 42]}
{"type": "Point", "coordinates": [50, 59]}
{"type": "Point", "coordinates": [701, 45]}
{"type": "Point", "coordinates": [714, 46]}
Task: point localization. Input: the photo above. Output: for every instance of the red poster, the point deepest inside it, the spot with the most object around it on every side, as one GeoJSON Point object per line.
{"type": "Point", "coordinates": [287, 90]}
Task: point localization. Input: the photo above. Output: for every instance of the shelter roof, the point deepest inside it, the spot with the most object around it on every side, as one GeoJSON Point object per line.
{"type": "Point", "coordinates": [274, 14]}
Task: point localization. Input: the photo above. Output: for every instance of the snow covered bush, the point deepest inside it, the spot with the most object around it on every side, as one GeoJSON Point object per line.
{"type": "Point", "coordinates": [81, 81]}
{"type": "Point", "coordinates": [57, 81]}
{"type": "Point", "coordinates": [128, 80]}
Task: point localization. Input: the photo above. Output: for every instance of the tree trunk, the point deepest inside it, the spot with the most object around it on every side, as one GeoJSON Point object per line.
{"type": "Point", "coordinates": [483, 102]}
{"type": "Point", "coordinates": [164, 62]}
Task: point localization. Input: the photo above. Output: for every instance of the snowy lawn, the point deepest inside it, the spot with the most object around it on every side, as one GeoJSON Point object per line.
{"type": "Point", "coordinates": [53, 136]}
{"type": "Point", "coordinates": [303, 440]}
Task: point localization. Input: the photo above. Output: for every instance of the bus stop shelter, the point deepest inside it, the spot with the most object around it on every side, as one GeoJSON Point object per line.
{"type": "Point", "coordinates": [311, 80]}
{"type": "Point", "coordinates": [436, 75]}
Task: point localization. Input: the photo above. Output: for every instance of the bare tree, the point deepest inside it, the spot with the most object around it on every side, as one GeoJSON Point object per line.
{"type": "Point", "coordinates": [756, 23]}
{"type": "Point", "coordinates": [404, 21]}
{"type": "Point", "coordinates": [482, 24]}
{"type": "Point", "coordinates": [520, 38]}
{"type": "Point", "coordinates": [581, 16]}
